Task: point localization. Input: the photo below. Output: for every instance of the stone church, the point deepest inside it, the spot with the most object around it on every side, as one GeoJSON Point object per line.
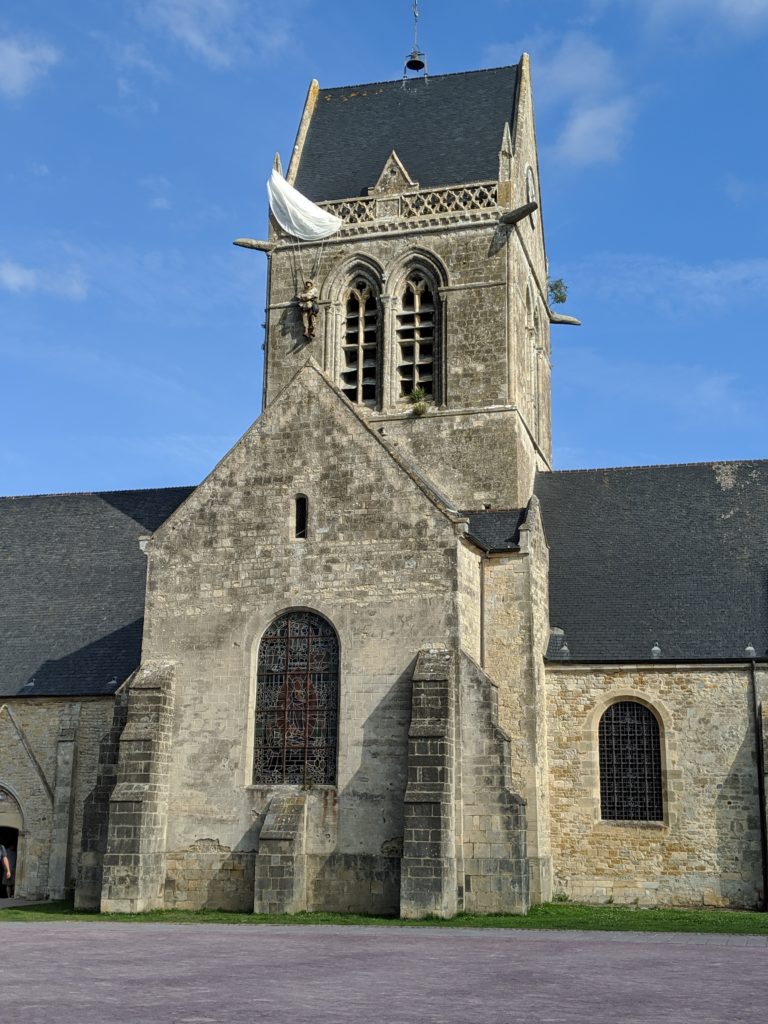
{"type": "Point", "coordinates": [385, 658]}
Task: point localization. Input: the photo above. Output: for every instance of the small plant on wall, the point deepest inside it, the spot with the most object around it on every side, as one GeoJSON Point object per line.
{"type": "Point", "coordinates": [418, 400]}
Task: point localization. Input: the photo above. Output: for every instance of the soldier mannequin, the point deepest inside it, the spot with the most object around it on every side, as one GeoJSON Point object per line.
{"type": "Point", "coordinates": [307, 300]}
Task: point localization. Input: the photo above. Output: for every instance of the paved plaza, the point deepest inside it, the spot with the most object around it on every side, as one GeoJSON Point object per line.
{"type": "Point", "coordinates": [73, 973]}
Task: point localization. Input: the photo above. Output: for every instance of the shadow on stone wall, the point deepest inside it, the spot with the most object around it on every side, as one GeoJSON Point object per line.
{"type": "Point", "coordinates": [371, 804]}
{"type": "Point", "coordinates": [736, 878]}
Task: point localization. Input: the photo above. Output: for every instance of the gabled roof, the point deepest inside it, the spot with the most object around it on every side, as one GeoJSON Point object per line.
{"type": "Point", "coordinates": [72, 580]}
{"type": "Point", "coordinates": [676, 555]}
{"type": "Point", "coordinates": [447, 130]}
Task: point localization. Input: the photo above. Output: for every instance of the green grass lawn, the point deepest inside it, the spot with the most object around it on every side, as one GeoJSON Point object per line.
{"type": "Point", "coordinates": [548, 915]}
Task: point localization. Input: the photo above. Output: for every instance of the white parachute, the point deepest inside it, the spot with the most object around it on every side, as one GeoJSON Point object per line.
{"type": "Point", "coordinates": [297, 215]}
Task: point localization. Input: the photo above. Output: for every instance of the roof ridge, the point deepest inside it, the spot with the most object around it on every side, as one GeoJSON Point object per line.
{"type": "Point", "coordinates": [98, 494]}
{"type": "Point", "coordinates": [430, 78]}
{"type": "Point", "coordinates": [659, 465]}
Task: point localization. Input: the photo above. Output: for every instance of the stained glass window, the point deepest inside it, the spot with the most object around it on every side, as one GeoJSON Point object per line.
{"type": "Point", "coordinates": [297, 702]}
{"type": "Point", "coordinates": [630, 764]}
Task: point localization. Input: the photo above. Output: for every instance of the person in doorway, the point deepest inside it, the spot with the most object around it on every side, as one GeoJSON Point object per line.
{"type": "Point", "coordinates": [10, 882]}
{"type": "Point", "coordinates": [6, 874]}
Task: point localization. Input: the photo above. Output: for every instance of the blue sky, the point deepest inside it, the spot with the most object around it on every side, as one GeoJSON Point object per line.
{"type": "Point", "coordinates": [135, 140]}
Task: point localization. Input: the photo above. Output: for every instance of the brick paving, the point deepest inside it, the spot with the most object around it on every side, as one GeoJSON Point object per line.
{"type": "Point", "coordinates": [72, 973]}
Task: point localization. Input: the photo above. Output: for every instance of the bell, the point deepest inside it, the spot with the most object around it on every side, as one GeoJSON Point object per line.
{"type": "Point", "coordinates": [416, 61]}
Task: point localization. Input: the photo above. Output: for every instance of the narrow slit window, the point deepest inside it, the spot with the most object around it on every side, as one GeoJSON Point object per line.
{"type": "Point", "coordinates": [301, 517]}
{"type": "Point", "coordinates": [416, 337]}
{"type": "Point", "coordinates": [360, 362]}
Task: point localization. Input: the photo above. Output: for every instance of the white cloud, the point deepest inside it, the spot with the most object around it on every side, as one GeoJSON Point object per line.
{"type": "Point", "coordinates": [158, 188]}
{"type": "Point", "coordinates": [735, 15]}
{"type": "Point", "coordinates": [595, 133]}
{"type": "Point", "coordinates": [204, 27]}
{"type": "Point", "coordinates": [22, 63]}
{"type": "Point", "coordinates": [40, 170]}
{"type": "Point", "coordinates": [579, 82]}
{"type": "Point", "coordinates": [687, 392]}
{"type": "Point", "coordinates": [670, 285]}
{"type": "Point", "coordinates": [68, 284]}
{"type": "Point", "coordinates": [223, 32]}
{"type": "Point", "coordinates": [741, 190]}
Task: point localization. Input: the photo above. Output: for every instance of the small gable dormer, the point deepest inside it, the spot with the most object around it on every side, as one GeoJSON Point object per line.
{"type": "Point", "coordinates": [394, 178]}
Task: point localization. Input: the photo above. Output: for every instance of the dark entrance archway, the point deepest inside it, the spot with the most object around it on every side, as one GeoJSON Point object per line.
{"type": "Point", "coordinates": [11, 831]}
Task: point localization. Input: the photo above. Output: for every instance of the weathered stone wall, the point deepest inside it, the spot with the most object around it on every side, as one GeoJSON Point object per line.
{"type": "Point", "coordinates": [494, 865]}
{"type": "Point", "coordinates": [134, 861]}
{"type": "Point", "coordinates": [379, 562]}
{"type": "Point", "coordinates": [707, 848]}
{"type": "Point", "coordinates": [32, 731]}
{"type": "Point", "coordinates": [96, 811]}
{"type": "Point", "coordinates": [529, 329]}
{"type": "Point", "coordinates": [429, 883]}
{"type": "Point", "coordinates": [516, 618]}
{"type": "Point", "coordinates": [470, 568]}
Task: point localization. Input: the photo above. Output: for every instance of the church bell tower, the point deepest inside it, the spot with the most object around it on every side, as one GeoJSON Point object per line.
{"type": "Point", "coordinates": [430, 301]}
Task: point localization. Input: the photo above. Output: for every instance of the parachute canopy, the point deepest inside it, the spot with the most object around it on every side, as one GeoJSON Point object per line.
{"type": "Point", "coordinates": [298, 215]}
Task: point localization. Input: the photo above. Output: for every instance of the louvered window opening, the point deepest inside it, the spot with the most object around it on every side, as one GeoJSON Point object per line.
{"type": "Point", "coordinates": [297, 702]}
{"type": "Point", "coordinates": [416, 338]}
{"type": "Point", "coordinates": [630, 764]}
{"type": "Point", "coordinates": [360, 350]}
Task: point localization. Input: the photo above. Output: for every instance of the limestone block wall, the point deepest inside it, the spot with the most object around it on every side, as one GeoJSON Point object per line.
{"type": "Point", "coordinates": [494, 867]}
{"type": "Point", "coordinates": [469, 595]}
{"type": "Point", "coordinates": [49, 749]}
{"type": "Point", "coordinates": [472, 258]}
{"type": "Point", "coordinates": [471, 455]}
{"type": "Point", "coordinates": [429, 884]}
{"type": "Point", "coordinates": [474, 457]}
{"type": "Point", "coordinates": [529, 361]}
{"type": "Point", "coordinates": [133, 876]}
{"type": "Point", "coordinates": [379, 562]}
{"type": "Point", "coordinates": [516, 631]}
{"type": "Point", "coordinates": [96, 811]}
{"type": "Point", "coordinates": [706, 851]}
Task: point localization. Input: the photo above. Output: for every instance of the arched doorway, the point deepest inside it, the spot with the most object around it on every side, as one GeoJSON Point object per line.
{"type": "Point", "coordinates": [11, 835]}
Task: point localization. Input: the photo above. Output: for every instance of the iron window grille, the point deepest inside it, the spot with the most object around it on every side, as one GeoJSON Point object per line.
{"type": "Point", "coordinates": [297, 702]}
{"type": "Point", "coordinates": [630, 764]}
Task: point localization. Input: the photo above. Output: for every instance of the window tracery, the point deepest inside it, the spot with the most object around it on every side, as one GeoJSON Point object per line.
{"type": "Point", "coordinates": [416, 336]}
{"type": "Point", "coordinates": [360, 350]}
{"type": "Point", "coordinates": [297, 702]}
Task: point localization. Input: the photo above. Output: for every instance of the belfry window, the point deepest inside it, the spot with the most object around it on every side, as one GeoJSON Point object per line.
{"type": "Point", "coordinates": [416, 336]}
{"type": "Point", "coordinates": [630, 764]}
{"type": "Point", "coordinates": [361, 361]}
{"type": "Point", "coordinates": [297, 702]}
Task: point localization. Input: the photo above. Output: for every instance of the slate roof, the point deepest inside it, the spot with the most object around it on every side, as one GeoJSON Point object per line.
{"type": "Point", "coordinates": [446, 130]}
{"type": "Point", "coordinates": [72, 588]}
{"type": "Point", "coordinates": [497, 530]}
{"type": "Point", "coordinates": [671, 554]}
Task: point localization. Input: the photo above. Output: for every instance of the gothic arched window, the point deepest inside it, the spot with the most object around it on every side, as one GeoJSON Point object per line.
{"type": "Point", "coordinates": [297, 702]}
{"type": "Point", "coordinates": [360, 349]}
{"type": "Point", "coordinates": [417, 333]}
{"type": "Point", "coordinates": [630, 764]}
